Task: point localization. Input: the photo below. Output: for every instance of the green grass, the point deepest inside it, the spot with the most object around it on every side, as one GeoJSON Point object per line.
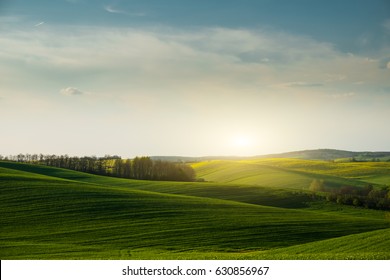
{"type": "Point", "coordinates": [373, 245]}
{"type": "Point", "coordinates": [51, 213]}
{"type": "Point", "coordinates": [354, 170]}
{"type": "Point", "coordinates": [377, 179]}
{"type": "Point", "coordinates": [283, 173]}
{"type": "Point", "coordinates": [241, 172]}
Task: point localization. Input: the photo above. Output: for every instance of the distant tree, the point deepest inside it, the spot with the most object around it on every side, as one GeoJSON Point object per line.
{"type": "Point", "coordinates": [146, 168]}
{"type": "Point", "coordinates": [382, 203]}
{"type": "Point", "coordinates": [34, 158]}
{"type": "Point", "coordinates": [160, 170]}
{"type": "Point", "coordinates": [366, 190]}
{"type": "Point", "coordinates": [340, 199]}
{"type": "Point", "coordinates": [185, 172]}
{"type": "Point", "coordinates": [348, 190]}
{"type": "Point", "coordinates": [117, 169]}
{"type": "Point", "coordinates": [127, 169]}
{"type": "Point", "coordinates": [21, 157]}
{"type": "Point", "coordinates": [99, 167]}
{"type": "Point", "coordinates": [331, 197]}
{"type": "Point", "coordinates": [348, 199]}
{"type": "Point", "coordinates": [28, 158]}
{"type": "Point", "coordinates": [356, 202]}
{"type": "Point", "coordinates": [376, 194]}
{"type": "Point", "coordinates": [138, 168]}
{"type": "Point", "coordinates": [137, 173]}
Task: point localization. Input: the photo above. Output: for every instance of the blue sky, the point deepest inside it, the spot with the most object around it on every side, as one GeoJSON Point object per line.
{"type": "Point", "coordinates": [340, 22]}
{"type": "Point", "coordinates": [194, 78]}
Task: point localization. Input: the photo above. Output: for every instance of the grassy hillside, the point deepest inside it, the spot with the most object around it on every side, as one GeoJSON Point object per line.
{"type": "Point", "coordinates": [331, 154]}
{"type": "Point", "coordinates": [282, 173]}
{"type": "Point", "coordinates": [318, 154]}
{"type": "Point", "coordinates": [356, 170]}
{"type": "Point", "coordinates": [51, 213]}
{"type": "Point", "coordinates": [366, 246]}
{"type": "Point", "coordinates": [373, 245]}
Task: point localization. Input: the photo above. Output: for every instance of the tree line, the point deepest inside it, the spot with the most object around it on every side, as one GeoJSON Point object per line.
{"type": "Point", "coordinates": [367, 196]}
{"type": "Point", "coordinates": [141, 168]}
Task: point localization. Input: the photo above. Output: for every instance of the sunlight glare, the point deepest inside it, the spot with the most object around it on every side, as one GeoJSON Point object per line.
{"type": "Point", "coordinates": [242, 141]}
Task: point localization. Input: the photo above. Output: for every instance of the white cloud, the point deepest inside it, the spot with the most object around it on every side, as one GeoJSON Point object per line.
{"type": "Point", "coordinates": [123, 61]}
{"type": "Point", "coordinates": [149, 79]}
{"type": "Point", "coordinates": [300, 84]}
{"type": "Point", "coordinates": [111, 9]}
{"type": "Point", "coordinates": [333, 78]}
{"type": "Point", "coordinates": [71, 91]}
{"type": "Point", "coordinates": [343, 95]}
{"type": "Point", "coordinates": [39, 24]}
{"type": "Point", "coordinates": [114, 11]}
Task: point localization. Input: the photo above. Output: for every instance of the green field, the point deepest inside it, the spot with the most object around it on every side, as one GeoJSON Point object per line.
{"type": "Point", "coordinates": [258, 209]}
{"type": "Point", "coordinates": [293, 173]}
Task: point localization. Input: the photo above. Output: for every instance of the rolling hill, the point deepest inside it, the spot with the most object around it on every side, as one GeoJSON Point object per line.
{"type": "Point", "coordinates": [318, 154]}
{"type": "Point", "coordinates": [52, 213]}
{"type": "Point", "coordinates": [331, 154]}
{"type": "Point", "coordinates": [294, 173]}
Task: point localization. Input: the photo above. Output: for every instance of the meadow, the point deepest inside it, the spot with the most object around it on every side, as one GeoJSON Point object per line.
{"type": "Point", "coordinates": [246, 209]}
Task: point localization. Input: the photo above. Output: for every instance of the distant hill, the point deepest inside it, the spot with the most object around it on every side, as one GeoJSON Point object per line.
{"type": "Point", "coordinates": [331, 154]}
{"type": "Point", "coordinates": [319, 154]}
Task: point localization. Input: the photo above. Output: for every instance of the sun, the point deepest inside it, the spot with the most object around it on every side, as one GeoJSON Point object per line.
{"type": "Point", "coordinates": [242, 141]}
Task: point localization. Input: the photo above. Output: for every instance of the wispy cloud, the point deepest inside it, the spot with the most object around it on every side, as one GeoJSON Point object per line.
{"type": "Point", "coordinates": [384, 63]}
{"type": "Point", "coordinates": [185, 61]}
{"type": "Point", "coordinates": [301, 84]}
{"type": "Point", "coordinates": [39, 24]}
{"type": "Point", "coordinates": [343, 95]}
{"type": "Point", "coordinates": [113, 10]}
{"type": "Point", "coordinates": [72, 91]}
{"type": "Point", "coordinates": [217, 77]}
{"type": "Point", "coordinates": [334, 78]}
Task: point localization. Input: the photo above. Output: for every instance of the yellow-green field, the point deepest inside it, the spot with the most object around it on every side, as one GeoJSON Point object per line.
{"type": "Point", "coordinates": [295, 173]}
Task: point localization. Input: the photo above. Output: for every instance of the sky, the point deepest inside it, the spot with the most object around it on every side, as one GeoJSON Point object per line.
{"type": "Point", "coordinates": [193, 77]}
